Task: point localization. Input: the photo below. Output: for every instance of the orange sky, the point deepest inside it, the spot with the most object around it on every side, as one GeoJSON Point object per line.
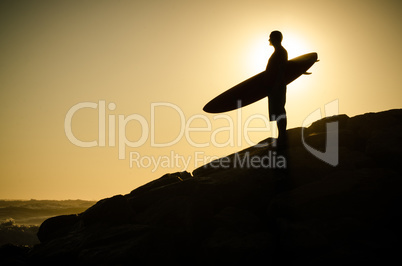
{"type": "Point", "coordinates": [57, 54]}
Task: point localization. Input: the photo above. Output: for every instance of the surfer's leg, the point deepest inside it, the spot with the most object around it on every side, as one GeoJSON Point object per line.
{"type": "Point", "coordinates": [282, 121]}
{"type": "Point", "coordinates": [277, 112]}
{"type": "Point", "coordinates": [282, 124]}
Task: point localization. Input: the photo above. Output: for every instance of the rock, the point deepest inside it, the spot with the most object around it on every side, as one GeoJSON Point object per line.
{"type": "Point", "coordinates": [56, 227]}
{"type": "Point", "coordinates": [13, 255]}
{"type": "Point", "coordinates": [307, 213]}
{"type": "Point", "coordinates": [165, 180]}
{"type": "Point", "coordinates": [115, 211]}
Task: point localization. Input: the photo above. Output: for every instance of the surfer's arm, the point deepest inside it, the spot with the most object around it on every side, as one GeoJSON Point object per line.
{"type": "Point", "coordinates": [276, 69]}
{"type": "Point", "coordinates": [281, 71]}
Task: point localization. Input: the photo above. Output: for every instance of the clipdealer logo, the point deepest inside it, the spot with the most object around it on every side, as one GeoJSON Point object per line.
{"type": "Point", "coordinates": [331, 154]}
{"type": "Point", "coordinates": [174, 160]}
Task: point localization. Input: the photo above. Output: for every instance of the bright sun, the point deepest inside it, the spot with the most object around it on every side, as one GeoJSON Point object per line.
{"type": "Point", "coordinates": [295, 46]}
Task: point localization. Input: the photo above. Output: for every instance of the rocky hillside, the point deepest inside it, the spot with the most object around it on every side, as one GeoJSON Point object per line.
{"type": "Point", "coordinates": [233, 212]}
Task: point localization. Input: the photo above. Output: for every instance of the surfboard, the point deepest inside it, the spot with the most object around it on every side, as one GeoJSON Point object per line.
{"type": "Point", "coordinates": [256, 87]}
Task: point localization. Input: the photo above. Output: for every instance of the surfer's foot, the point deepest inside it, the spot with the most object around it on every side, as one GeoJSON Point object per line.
{"type": "Point", "coordinates": [279, 143]}
{"type": "Point", "coordinates": [266, 143]}
{"type": "Point", "coordinates": [276, 144]}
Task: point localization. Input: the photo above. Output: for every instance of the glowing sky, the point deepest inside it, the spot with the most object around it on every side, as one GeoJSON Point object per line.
{"type": "Point", "coordinates": [57, 54]}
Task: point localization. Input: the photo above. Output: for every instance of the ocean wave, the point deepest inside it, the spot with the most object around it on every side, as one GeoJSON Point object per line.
{"type": "Point", "coordinates": [20, 220]}
{"type": "Point", "coordinates": [21, 235]}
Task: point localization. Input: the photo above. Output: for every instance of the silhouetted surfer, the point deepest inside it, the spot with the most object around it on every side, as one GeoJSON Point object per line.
{"type": "Point", "coordinates": [277, 94]}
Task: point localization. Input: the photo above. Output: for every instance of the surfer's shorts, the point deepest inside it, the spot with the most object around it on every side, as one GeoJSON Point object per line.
{"type": "Point", "coordinates": [276, 104]}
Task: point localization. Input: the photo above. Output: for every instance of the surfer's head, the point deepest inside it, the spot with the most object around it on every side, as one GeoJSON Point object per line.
{"type": "Point", "coordinates": [275, 38]}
